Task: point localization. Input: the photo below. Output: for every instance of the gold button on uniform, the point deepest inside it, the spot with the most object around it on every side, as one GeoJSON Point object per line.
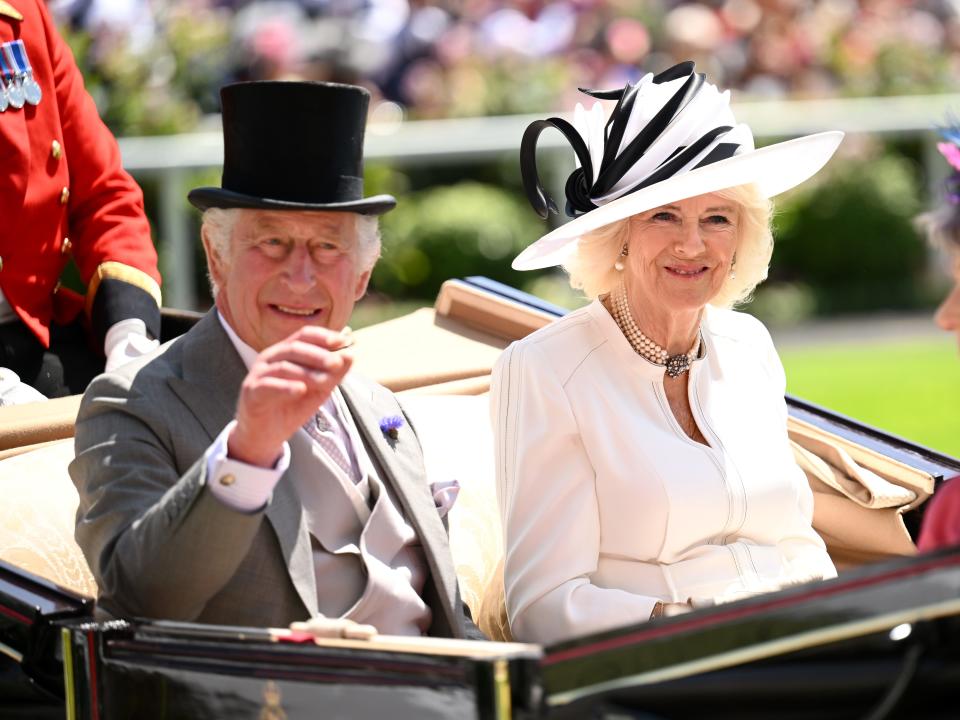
{"type": "Point", "coordinates": [66, 247]}
{"type": "Point", "coordinates": [56, 288]}
{"type": "Point", "coordinates": [56, 150]}
{"type": "Point", "coordinates": [227, 480]}
{"type": "Point", "coordinates": [64, 196]}
{"type": "Point", "coordinates": [1, 263]}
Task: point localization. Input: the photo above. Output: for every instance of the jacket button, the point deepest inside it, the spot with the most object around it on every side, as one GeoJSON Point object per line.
{"type": "Point", "coordinates": [56, 150]}
{"type": "Point", "coordinates": [227, 480]}
{"type": "Point", "coordinates": [1, 263]}
{"type": "Point", "coordinates": [66, 246]}
{"type": "Point", "coordinates": [64, 196]}
{"type": "Point", "coordinates": [56, 288]}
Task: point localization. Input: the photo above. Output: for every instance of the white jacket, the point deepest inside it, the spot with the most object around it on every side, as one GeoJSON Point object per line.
{"type": "Point", "coordinates": [608, 506]}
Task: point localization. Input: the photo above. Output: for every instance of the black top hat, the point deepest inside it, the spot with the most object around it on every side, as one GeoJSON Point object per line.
{"type": "Point", "coordinates": [293, 146]}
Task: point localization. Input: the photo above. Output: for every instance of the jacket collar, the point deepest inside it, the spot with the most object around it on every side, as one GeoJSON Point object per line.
{"type": "Point", "coordinates": [402, 462]}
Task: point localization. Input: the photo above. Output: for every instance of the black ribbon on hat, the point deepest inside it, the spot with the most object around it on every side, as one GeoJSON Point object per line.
{"type": "Point", "coordinates": [580, 189]}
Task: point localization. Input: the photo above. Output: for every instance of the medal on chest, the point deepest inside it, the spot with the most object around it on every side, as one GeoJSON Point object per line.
{"type": "Point", "coordinates": [19, 85]}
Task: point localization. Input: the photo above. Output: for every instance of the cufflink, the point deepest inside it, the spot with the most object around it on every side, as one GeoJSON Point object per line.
{"type": "Point", "coordinates": [227, 480]}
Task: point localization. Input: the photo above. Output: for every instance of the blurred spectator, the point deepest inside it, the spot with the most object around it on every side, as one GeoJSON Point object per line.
{"type": "Point", "coordinates": [481, 57]}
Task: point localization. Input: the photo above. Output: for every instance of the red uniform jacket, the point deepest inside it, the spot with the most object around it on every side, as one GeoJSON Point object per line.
{"type": "Point", "coordinates": [63, 192]}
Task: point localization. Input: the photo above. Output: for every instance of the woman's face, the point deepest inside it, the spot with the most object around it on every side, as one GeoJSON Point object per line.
{"type": "Point", "coordinates": [680, 254]}
{"type": "Point", "coordinates": [948, 314]}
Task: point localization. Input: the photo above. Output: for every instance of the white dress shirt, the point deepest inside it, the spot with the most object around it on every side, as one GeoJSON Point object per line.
{"type": "Point", "coordinates": [608, 506]}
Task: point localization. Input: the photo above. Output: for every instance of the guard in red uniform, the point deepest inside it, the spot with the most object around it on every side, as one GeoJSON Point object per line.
{"type": "Point", "coordinates": [63, 194]}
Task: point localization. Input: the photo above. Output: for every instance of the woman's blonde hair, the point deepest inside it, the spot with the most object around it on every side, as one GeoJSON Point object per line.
{"type": "Point", "coordinates": [591, 265]}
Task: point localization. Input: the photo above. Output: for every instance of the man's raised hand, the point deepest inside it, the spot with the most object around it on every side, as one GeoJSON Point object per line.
{"type": "Point", "coordinates": [283, 389]}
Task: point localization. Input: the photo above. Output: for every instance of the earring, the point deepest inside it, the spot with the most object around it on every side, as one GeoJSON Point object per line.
{"type": "Point", "coordinates": [733, 266]}
{"type": "Point", "coordinates": [618, 265]}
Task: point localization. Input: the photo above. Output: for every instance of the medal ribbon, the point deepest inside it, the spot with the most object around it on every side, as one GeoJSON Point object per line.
{"type": "Point", "coordinates": [6, 63]}
{"type": "Point", "coordinates": [18, 53]}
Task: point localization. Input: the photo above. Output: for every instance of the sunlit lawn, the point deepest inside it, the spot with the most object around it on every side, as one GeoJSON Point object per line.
{"type": "Point", "coordinates": [909, 388]}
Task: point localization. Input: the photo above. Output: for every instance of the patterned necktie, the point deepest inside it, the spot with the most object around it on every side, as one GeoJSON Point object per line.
{"type": "Point", "coordinates": [321, 428]}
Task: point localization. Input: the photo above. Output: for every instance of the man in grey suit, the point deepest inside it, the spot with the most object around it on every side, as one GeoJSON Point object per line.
{"type": "Point", "coordinates": [240, 475]}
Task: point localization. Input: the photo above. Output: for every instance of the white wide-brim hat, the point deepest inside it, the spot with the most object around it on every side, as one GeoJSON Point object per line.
{"type": "Point", "coordinates": [671, 136]}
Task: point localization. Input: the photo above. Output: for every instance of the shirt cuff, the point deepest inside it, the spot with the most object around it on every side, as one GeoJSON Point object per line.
{"type": "Point", "coordinates": [239, 485]}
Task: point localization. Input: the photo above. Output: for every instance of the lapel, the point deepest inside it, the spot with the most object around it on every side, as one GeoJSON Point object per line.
{"type": "Point", "coordinates": [212, 375]}
{"type": "Point", "coordinates": [402, 463]}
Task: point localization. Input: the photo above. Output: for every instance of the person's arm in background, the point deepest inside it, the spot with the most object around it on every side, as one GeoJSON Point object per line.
{"type": "Point", "coordinates": [109, 231]}
{"type": "Point", "coordinates": [940, 527]}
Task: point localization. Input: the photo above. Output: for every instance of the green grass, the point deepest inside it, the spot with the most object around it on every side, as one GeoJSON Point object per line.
{"type": "Point", "coordinates": [909, 388]}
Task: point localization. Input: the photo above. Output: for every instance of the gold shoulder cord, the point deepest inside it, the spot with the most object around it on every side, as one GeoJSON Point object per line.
{"type": "Point", "coordinates": [8, 10]}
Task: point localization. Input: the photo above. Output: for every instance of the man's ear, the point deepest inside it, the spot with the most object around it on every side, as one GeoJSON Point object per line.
{"type": "Point", "coordinates": [215, 263]}
{"type": "Point", "coordinates": [362, 282]}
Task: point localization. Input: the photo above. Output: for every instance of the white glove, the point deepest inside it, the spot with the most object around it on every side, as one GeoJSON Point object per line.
{"type": "Point", "coordinates": [125, 341]}
{"type": "Point", "coordinates": [14, 392]}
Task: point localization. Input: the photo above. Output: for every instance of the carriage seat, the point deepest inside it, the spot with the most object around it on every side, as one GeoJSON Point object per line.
{"type": "Point", "coordinates": [40, 500]}
{"type": "Point", "coordinates": [37, 517]}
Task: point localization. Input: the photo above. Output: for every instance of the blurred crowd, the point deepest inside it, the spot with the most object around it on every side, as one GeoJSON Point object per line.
{"type": "Point", "coordinates": [482, 57]}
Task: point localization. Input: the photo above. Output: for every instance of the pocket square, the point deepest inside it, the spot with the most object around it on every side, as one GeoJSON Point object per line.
{"type": "Point", "coordinates": [444, 495]}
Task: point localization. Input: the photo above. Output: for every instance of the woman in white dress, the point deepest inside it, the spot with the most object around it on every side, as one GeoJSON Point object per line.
{"type": "Point", "coordinates": [643, 463]}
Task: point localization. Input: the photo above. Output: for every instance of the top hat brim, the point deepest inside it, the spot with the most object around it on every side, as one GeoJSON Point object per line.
{"type": "Point", "coordinates": [204, 198]}
{"type": "Point", "coordinates": [774, 169]}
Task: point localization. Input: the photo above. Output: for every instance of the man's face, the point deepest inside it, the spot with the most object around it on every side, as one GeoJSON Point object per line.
{"type": "Point", "coordinates": [287, 269]}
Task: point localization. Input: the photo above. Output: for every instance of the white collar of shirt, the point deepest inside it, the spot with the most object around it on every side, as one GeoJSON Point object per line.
{"type": "Point", "coordinates": [247, 353]}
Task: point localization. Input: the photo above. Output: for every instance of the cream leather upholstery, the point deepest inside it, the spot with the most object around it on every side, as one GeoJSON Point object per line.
{"type": "Point", "coordinates": [458, 444]}
{"type": "Point", "coordinates": [37, 517]}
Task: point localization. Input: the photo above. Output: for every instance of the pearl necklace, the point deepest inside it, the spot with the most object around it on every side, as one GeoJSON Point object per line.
{"type": "Point", "coordinates": [676, 365]}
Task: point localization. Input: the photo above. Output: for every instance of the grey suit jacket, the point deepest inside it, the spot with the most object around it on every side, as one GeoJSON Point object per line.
{"type": "Point", "coordinates": [160, 545]}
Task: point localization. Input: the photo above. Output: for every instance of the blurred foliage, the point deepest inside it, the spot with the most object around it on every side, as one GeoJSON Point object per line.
{"type": "Point", "coordinates": [164, 87]}
{"type": "Point", "coordinates": [892, 66]}
{"type": "Point", "coordinates": [782, 303]}
{"type": "Point", "coordinates": [849, 238]}
{"type": "Point", "coordinates": [449, 232]}
{"type": "Point", "coordinates": [844, 240]}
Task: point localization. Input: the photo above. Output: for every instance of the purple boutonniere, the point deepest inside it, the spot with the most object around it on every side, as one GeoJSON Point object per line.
{"type": "Point", "coordinates": [390, 426]}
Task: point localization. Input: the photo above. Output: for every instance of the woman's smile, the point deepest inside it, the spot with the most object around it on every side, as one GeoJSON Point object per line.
{"type": "Point", "coordinates": [687, 272]}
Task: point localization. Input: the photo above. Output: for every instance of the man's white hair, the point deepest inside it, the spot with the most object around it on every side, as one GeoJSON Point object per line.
{"type": "Point", "coordinates": [218, 225]}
